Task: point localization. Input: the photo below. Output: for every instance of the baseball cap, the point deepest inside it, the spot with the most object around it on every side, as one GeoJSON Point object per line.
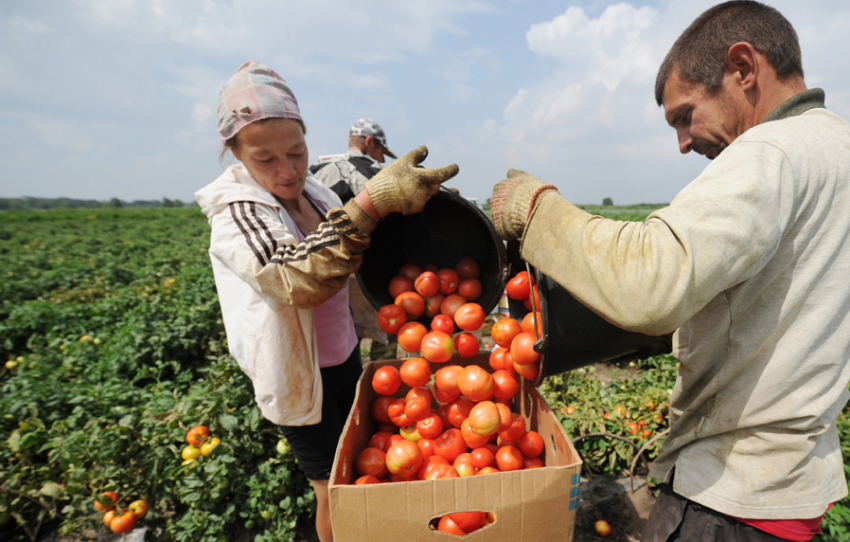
{"type": "Point", "coordinates": [368, 127]}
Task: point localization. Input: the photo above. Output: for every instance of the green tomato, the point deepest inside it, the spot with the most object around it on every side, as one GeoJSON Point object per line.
{"type": "Point", "coordinates": [266, 514]}
{"type": "Point", "coordinates": [11, 364]}
{"type": "Point", "coordinates": [282, 447]}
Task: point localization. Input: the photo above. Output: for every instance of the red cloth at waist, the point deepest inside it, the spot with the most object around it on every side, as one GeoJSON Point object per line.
{"type": "Point", "coordinates": [798, 530]}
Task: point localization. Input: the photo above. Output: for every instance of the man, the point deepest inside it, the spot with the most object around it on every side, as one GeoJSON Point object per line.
{"type": "Point", "coordinates": [347, 174]}
{"type": "Point", "coordinates": [748, 265]}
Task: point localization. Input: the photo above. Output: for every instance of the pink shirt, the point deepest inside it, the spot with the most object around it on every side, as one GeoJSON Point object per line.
{"type": "Point", "coordinates": [332, 319]}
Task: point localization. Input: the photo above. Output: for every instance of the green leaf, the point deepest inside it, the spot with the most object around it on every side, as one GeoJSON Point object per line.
{"type": "Point", "coordinates": [228, 422]}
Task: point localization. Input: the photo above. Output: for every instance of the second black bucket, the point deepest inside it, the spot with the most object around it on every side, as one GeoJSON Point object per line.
{"type": "Point", "coordinates": [573, 335]}
{"type": "Point", "coordinates": [449, 228]}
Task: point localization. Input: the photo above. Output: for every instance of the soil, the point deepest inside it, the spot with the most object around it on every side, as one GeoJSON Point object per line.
{"type": "Point", "coordinates": [626, 511]}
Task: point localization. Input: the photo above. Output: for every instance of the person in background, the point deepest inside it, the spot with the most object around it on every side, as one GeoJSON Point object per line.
{"type": "Point", "coordinates": [282, 252]}
{"type": "Point", "coordinates": [346, 175]}
{"type": "Point", "coordinates": [748, 265]}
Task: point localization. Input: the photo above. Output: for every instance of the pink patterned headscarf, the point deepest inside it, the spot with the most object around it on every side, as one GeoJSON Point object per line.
{"type": "Point", "coordinates": [253, 93]}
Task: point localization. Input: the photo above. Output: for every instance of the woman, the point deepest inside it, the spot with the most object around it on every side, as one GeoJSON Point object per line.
{"type": "Point", "coordinates": [282, 252]}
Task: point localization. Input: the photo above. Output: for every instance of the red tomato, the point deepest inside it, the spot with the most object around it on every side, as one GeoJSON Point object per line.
{"type": "Point", "coordinates": [646, 432]}
{"type": "Point", "coordinates": [437, 346]}
{"type": "Point", "coordinates": [123, 523]}
{"type": "Point", "coordinates": [446, 396]}
{"type": "Point", "coordinates": [410, 270]}
{"type": "Point", "coordinates": [522, 349]}
{"type": "Point", "coordinates": [396, 413]}
{"type": "Point", "coordinates": [470, 437]}
{"type": "Point", "coordinates": [391, 318]}
{"type": "Point", "coordinates": [379, 409]}
{"type": "Point", "coordinates": [451, 304]}
{"type": "Point", "coordinates": [404, 458]}
{"type": "Point", "coordinates": [504, 331]}
{"type": "Point", "coordinates": [386, 380]}
{"type": "Point", "coordinates": [482, 457]}
{"type": "Point", "coordinates": [450, 444]}
{"type": "Point", "coordinates": [515, 431]}
{"type": "Point", "coordinates": [448, 281]}
{"type": "Point", "coordinates": [531, 444]}
{"type": "Point", "coordinates": [463, 465]}
{"type": "Point", "coordinates": [442, 471]}
{"type": "Point", "coordinates": [488, 470]}
{"type": "Point", "coordinates": [475, 383]}
{"type": "Point", "coordinates": [528, 371]}
{"type": "Point", "coordinates": [426, 446]}
{"type": "Point", "coordinates": [371, 461]}
{"type": "Point", "coordinates": [602, 528]}
{"type": "Point", "coordinates": [505, 385]}
{"type": "Point", "coordinates": [443, 410]}
{"type": "Point", "coordinates": [365, 480]}
{"type": "Point", "coordinates": [433, 304]}
{"type": "Point", "coordinates": [484, 418]}
{"type": "Point", "coordinates": [508, 458]}
{"type": "Point", "coordinates": [109, 499]}
{"type": "Point", "coordinates": [428, 465]}
{"type": "Point", "coordinates": [633, 428]}
{"type": "Point", "coordinates": [470, 289]}
{"type": "Point", "coordinates": [506, 416]}
{"type": "Point", "coordinates": [468, 521]}
{"type": "Point", "coordinates": [415, 372]}
{"type": "Point", "coordinates": [419, 391]}
{"type": "Point", "coordinates": [417, 409]}
{"type": "Point", "coordinates": [469, 317]}
{"type": "Point", "coordinates": [528, 323]}
{"type": "Point", "coordinates": [379, 440]}
{"type": "Point", "coordinates": [458, 410]}
{"type": "Point", "coordinates": [197, 435]}
{"type": "Point", "coordinates": [409, 432]}
{"type": "Point", "coordinates": [467, 345]}
{"type": "Point", "coordinates": [430, 427]}
{"type": "Point", "coordinates": [412, 303]}
{"type": "Point", "coordinates": [427, 284]}
{"type": "Point", "coordinates": [527, 302]}
{"type": "Point", "coordinates": [410, 336]}
{"type": "Point", "coordinates": [508, 361]}
{"type": "Point", "coordinates": [445, 380]}
{"type": "Point", "coordinates": [519, 286]}
{"type": "Point", "coordinates": [468, 268]}
{"type": "Point", "coordinates": [392, 440]}
{"type": "Point", "coordinates": [399, 285]}
{"type": "Point", "coordinates": [532, 463]}
{"type": "Point", "coordinates": [497, 362]}
{"type": "Point", "coordinates": [443, 323]}
{"type": "Point", "coordinates": [447, 525]}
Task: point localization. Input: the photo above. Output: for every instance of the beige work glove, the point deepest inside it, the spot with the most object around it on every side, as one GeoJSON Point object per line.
{"type": "Point", "coordinates": [513, 201]}
{"type": "Point", "coordinates": [405, 188]}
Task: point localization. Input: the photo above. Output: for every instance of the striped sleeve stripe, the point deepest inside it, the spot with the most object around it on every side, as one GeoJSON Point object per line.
{"type": "Point", "coordinates": [263, 226]}
{"type": "Point", "coordinates": [300, 253]}
{"type": "Point", "coordinates": [249, 214]}
{"type": "Point", "coordinates": [244, 230]}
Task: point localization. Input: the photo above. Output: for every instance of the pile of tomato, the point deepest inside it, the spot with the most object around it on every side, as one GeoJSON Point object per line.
{"type": "Point", "coordinates": [120, 521]}
{"type": "Point", "coordinates": [200, 443]}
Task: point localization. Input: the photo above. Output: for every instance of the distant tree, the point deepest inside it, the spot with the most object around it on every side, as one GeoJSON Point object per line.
{"type": "Point", "coordinates": [115, 202]}
{"type": "Point", "coordinates": [608, 201]}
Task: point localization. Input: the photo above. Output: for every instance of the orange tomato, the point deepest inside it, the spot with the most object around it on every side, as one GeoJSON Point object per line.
{"type": "Point", "coordinates": [470, 437]}
{"type": "Point", "coordinates": [450, 444]}
{"type": "Point", "coordinates": [386, 380]}
{"type": "Point", "coordinates": [123, 523]}
{"type": "Point", "coordinates": [504, 331]}
{"type": "Point", "coordinates": [470, 289]}
{"type": "Point", "coordinates": [459, 410]}
{"type": "Point", "coordinates": [509, 458]}
{"type": "Point", "coordinates": [445, 381]}
{"type": "Point", "coordinates": [430, 427]}
{"type": "Point", "coordinates": [443, 323]}
{"type": "Point", "coordinates": [522, 349]}
{"type": "Point", "coordinates": [484, 418]}
{"type": "Point", "coordinates": [497, 362]}
{"type": "Point", "coordinates": [197, 434]}
{"type": "Point", "coordinates": [410, 336]}
{"type": "Point", "coordinates": [516, 429]}
{"type": "Point", "coordinates": [371, 461]}
{"type": "Point", "coordinates": [467, 345]}
{"type": "Point", "coordinates": [531, 444]}
{"type": "Point", "coordinates": [404, 458]}
{"type": "Point", "coordinates": [437, 347]}
{"type": "Point", "coordinates": [415, 372]}
{"type": "Point", "coordinates": [505, 385]}
{"type": "Point", "coordinates": [427, 284]}
{"type": "Point", "coordinates": [475, 383]}
{"type": "Point", "coordinates": [469, 316]}
{"type": "Point", "coordinates": [391, 318]}
{"type": "Point", "coordinates": [106, 500]}
{"type": "Point", "coordinates": [481, 457]}
{"type": "Point", "coordinates": [448, 281]}
{"type": "Point", "coordinates": [412, 303]}
{"type": "Point", "coordinates": [528, 323]}
{"type": "Point", "coordinates": [368, 479]}
{"type": "Point", "coordinates": [529, 371]}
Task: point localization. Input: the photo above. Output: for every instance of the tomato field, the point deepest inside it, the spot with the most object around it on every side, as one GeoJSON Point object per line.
{"type": "Point", "coordinates": [113, 344]}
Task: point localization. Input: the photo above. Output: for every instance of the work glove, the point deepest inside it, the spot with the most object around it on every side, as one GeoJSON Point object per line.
{"type": "Point", "coordinates": [405, 188]}
{"type": "Point", "coordinates": [513, 201]}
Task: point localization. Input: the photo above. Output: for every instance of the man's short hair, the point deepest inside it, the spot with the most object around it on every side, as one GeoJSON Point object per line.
{"type": "Point", "coordinates": [699, 54]}
{"type": "Point", "coordinates": [356, 141]}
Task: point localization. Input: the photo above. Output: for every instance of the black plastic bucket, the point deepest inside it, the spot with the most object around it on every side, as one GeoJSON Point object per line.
{"type": "Point", "coordinates": [573, 335]}
{"type": "Point", "coordinates": [449, 228]}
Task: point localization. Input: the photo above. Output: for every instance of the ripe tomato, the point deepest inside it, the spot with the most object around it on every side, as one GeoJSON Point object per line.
{"type": "Point", "coordinates": [427, 284]}
{"type": "Point", "coordinates": [504, 331]}
{"type": "Point", "coordinates": [475, 383]}
{"type": "Point", "coordinates": [419, 391]}
{"type": "Point", "coordinates": [437, 346]}
{"type": "Point", "coordinates": [509, 458]}
{"type": "Point", "coordinates": [470, 437]}
{"type": "Point", "coordinates": [516, 429]}
{"type": "Point", "coordinates": [527, 302]}
{"type": "Point", "coordinates": [396, 412]}
{"type": "Point", "coordinates": [469, 316]}
{"type": "Point", "coordinates": [528, 323]}
{"type": "Point", "coordinates": [392, 440]}
{"type": "Point", "coordinates": [391, 318]}
{"type": "Point", "coordinates": [365, 480]}
{"type": "Point", "coordinates": [371, 461]}
{"type": "Point", "coordinates": [445, 380]}
{"type": "Point", "coordinates": [197, 434]}
{"type": "Point", "coordinates": [518, 287]}
{"type": "Point", "coordinates": [123, 523]}
{"type": "Point", "coordinates": [379, 409]}
{"type": "Point", "coordinates": [646, 432]}
{"type": "Point", "coordinates": [488, 470]}
{"type": "Point", "coordinates": [379, 440]}
{"type": "Point", "coordinates": [430, 427]}
{"type": "Point", "coordinates": [602, 528]}
{"type": "Point", "coordinates": [633, 428]}
{"type": "Point", "coordinates": [415, 372]}
{"type": "Point", "coordinates": [468, 521]}
{"type": "Point", "coordinates": [463, 465]}
{"type": "Point", "coordinates": [442, 471]}
{"type": "Point", "coordinates": [529, 371]}
{"type": "Point", "coordinates": [497, 362]}
{"type": "Point", "coordinates": [410, 433]}
{"type": "Point", "coordinates": [522, 349]}
{"type": "Point", "coordinates": [448, 281]}
{"type": "Point", "coordinates": [410, 336]}
{"type": "Point", "coordinates": [443, 323]}
{"type": "Point", "coordinates": [450, 444]}
{"type": "Point", "coordinates": [484, 418]}
{"type": "Point", "coordinates": [447, 525]}
{"type": "Point", "coordinates": [468, 268]}
{"type": "Point", "coordinates": [108, 517]}
{"type": "Point", "coordinates": [433, 304]}
{"type": "Point", "coordinates": [106, 500]}
{"type": "Point", "coordinates": [386, 380]}
{"type": "Point", "coordinates": [451, 304]}
{"type": "Point", "coordinates": [482, 457]}
{"type": "Point", "coordinates": [412, 303]}
{"type": "Point", "coordinates": [505, 385]}
{"type": "Point", "coordinates": [399, 285]}
{"type": "Point", "coordinates": [506, 416]}
{"type": "Point", "coordinates": [532, 463]}
{"type": "Point", "coordinates": [467, 345]}
{"type": "Point", "coordinates": [426, 446]}
{"type": "Point", "coordinates": [410, 270]}
{"type": "Point", "coordinates": [458, 410]}
{"type": "Point", "coordinates": [531, 444]}
{"type": "Point", "coordinates": [428, 464]}
{"type": "Point", "coordinates": [508, 362]}
{"type": "Point", "coordinates": [404, 458]}
{"type": "Point", "coordinates": [470, 289]}
{"type": "Point", "coordinates": [417, 408]}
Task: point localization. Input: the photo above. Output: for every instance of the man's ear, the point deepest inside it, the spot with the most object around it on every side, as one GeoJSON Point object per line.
{"type": "Point", "coordinates": [742, 60]}
{"type": "Point", "coordinates": [369, 142]}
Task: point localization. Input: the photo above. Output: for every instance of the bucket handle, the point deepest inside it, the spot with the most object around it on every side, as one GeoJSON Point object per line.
{"type": "Point", "coordinates": [539, 342]}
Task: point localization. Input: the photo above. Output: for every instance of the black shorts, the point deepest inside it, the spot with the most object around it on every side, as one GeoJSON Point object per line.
{"type": "Point", "coordinates": [315, 445]}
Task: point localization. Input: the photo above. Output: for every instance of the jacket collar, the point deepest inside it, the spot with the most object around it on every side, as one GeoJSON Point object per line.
{"type": "Point", "coordinates": [796, 105]}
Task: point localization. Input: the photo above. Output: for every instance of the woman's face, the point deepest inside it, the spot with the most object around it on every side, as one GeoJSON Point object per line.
{"type": "Point", "coordinates": [275, 154]}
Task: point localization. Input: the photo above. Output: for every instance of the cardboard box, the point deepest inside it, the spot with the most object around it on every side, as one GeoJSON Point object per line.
{"type": "Point", "coordinates": [535, 505]}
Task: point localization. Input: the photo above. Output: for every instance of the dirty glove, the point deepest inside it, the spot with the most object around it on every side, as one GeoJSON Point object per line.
{"type": "Point", "coordinates": [513, 201]}
{"type": "Point", "coordinates": [405, 188]}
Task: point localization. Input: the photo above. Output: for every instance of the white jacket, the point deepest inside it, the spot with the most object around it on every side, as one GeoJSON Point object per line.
{"type": "Point", "coordinates": [268, 282]}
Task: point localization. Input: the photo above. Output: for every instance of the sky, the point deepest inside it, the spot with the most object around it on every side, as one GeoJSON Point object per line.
{"type": "Point", "coordinates": [118, 98]}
